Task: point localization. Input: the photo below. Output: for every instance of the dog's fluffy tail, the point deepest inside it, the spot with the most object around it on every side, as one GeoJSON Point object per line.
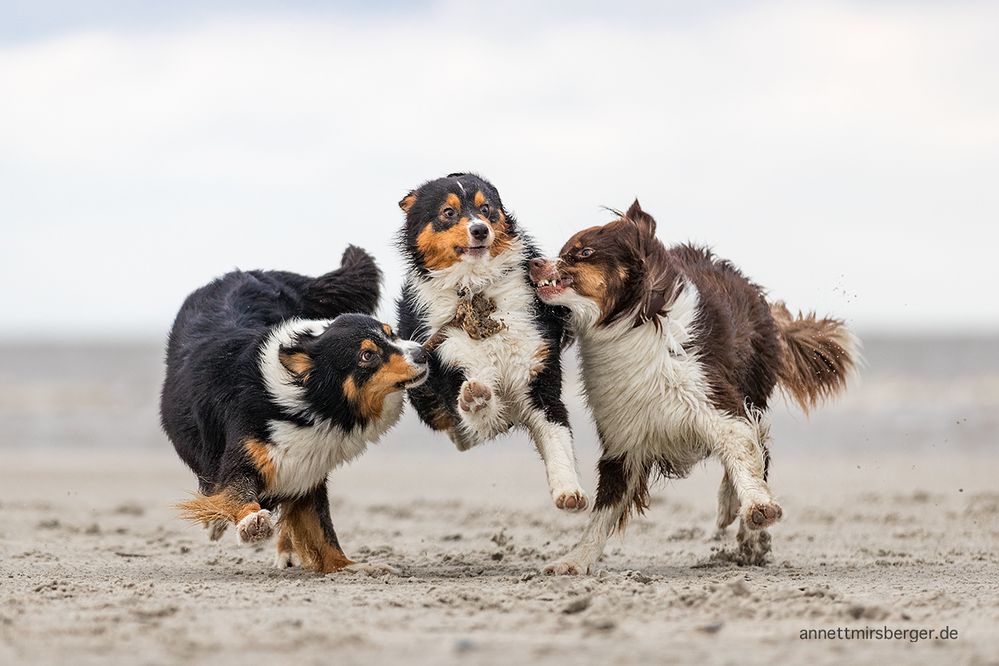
{"type": "Point", "coordinates": [817, 356]}
{"type": "Point", "coordinates": [354, 287]}
{"type": "Point", "coordinates": [209, 509]}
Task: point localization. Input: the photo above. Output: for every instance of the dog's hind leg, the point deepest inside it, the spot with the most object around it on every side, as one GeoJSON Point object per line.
{"type": "Point", "coordinates": [216, 529]}
{"type": "Point", "coordinates": [285, 556]}
{"type": "Point", "coordinates": [310, 527]}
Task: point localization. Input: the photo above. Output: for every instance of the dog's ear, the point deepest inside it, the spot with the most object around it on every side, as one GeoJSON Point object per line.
{"type": "Point", "coordinates": [641, 219]}
{"type": "Point", "coordinates": [296, 361]}
{"type": "Point", "coordinates": [407, 201]}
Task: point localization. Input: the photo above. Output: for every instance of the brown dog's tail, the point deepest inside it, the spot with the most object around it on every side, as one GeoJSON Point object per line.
{"type": "Point", "coordinates": [817, 356]}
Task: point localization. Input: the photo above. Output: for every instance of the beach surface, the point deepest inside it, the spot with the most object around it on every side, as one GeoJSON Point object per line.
{"type": "Point", "coordinates": [891, 521]}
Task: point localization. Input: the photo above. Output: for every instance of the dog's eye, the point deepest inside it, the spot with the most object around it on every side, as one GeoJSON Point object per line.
{"type": "Point", "coordinates": [368, 356]}
{"type": "Point", "coordinates": [448, 212]}
{"type": "Point", "coordinates": [585, 252]}
{"type": "Point", "coordinates": [485, 210]}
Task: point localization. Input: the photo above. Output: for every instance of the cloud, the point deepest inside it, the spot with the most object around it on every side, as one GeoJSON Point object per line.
{"type": "Point", "coordinates": [843, 154]}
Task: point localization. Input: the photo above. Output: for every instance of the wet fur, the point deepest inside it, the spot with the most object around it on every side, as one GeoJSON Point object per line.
{"type": "Point", "coordinates": [680, 355]}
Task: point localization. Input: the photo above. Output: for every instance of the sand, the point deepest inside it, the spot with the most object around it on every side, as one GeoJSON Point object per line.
{"type": "Point", "coordinates": [891, 519]}
{"type": "Point", "coordinates": [98, 569]}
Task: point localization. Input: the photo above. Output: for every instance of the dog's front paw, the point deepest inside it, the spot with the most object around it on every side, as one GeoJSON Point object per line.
{"type": "Point", "coordinates": [255, 527]}
{"type": "Point", "coordinates": [372, 569]}
{"type": "Point", "coordinates": [570, 500]}
{"type": "Point", "coordinates": [474, 396]}
{"type": "Point", "coordinates": [566, 567]}
{"type": "Point", "coordinates": [759, 515]}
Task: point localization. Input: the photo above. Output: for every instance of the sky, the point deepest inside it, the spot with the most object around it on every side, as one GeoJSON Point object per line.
{"type": "Point", "coordinates": [844, 154]}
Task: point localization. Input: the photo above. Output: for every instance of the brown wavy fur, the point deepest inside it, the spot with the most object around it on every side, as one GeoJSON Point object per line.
{"type": "Point", "coordinates": [817, 356]}
{"type": "Point", "coordinates": [221, 506]}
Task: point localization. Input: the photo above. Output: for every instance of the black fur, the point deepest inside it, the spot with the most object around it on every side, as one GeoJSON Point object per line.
{"type": "Point", "coordinates": [213, 394]}
{"type": "Point", "coordinates": [217, 409]}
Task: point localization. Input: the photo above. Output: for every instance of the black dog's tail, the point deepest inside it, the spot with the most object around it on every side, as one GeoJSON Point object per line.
{"type": "Point", "coordinates": [354, 287]}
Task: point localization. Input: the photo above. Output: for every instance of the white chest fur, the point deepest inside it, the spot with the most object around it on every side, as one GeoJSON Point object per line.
{"type": "Point", "coordinates": [303, 456]}
{"type": "Point", "coordinates": [646, 388]}
{"type": "Point", "coordinates": [504, 360]}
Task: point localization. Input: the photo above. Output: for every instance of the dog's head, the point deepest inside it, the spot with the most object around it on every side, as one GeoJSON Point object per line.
{"type": "Point", "coordinates": [355, 363]}
{"type": "Point", "coordinates": [457, 220]}
{"type": "Point", "coordinates": [600, 273]}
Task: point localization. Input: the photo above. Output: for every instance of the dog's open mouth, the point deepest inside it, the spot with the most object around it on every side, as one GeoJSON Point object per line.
{"type": "Point", "coordinates": [472, 250]}
{"type": "Point", "coordinates": [415, 381]}
{"type": "Point", "coordinates": [552, 287]}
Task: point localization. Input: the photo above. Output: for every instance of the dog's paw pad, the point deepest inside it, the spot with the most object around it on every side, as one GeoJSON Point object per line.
{"type": "Point", "coordinates": [372, 569]}
{"type": "Point", "coordinates": [762, 514]}
{"type": "Point", "coordinates": [573, 500]}
{"type": "Point", "coordinates": [565, 568]}
{"type": "Point", "coordinates": [255, 527]}
{"type": "Point", "coordinates": [474, 396]}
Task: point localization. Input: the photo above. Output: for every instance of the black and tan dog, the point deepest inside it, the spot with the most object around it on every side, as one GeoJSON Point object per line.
{"type": "Point", "coordinates": [262, 404]}
{"type": "Point", "coordinates": [499, 364]}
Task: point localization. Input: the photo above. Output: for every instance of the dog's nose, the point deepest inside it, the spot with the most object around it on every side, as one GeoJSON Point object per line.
{"type": "Point", "coordinates": [539, 269]}
{"type": "Point", "coordinates": [419, 356]}
{"type": "Point", "coordinates": [479, 231]}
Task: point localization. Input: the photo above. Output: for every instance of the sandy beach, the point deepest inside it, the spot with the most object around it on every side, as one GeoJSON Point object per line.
{"type": "Point", "coordinates": [891, 520]}
{"type": "Point", "coordinates": [97, 569]}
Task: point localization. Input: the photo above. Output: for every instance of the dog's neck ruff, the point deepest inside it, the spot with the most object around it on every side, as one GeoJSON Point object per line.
{"type": "Point", "coordinates": [471, 281]}
{"type": "Point", "coordinates": [282, 386]}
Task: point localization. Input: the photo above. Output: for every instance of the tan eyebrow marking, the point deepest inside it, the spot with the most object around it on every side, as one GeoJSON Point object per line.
{"type": "Point", "coordinates": [369, 345]}
{"type": "Point", "coordinates": [453, 201]}
{"type": "Point", "coordinates": [480, 198]}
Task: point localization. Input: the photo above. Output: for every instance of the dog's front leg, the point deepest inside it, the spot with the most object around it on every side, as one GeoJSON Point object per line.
{"type": "Point", "coordinates": [554, 443]}
{"type": "Point", "coordinates": [620, 487]}
{"type": "Point", "coordinates": [479, 410]}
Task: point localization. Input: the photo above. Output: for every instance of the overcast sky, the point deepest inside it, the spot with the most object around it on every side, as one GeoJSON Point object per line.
{"type": "Point", "coordinates": [844, 154]}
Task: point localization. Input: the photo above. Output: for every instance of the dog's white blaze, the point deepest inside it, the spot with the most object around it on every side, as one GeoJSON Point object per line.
{"type": "Point", "coordinates": [303, 456]}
